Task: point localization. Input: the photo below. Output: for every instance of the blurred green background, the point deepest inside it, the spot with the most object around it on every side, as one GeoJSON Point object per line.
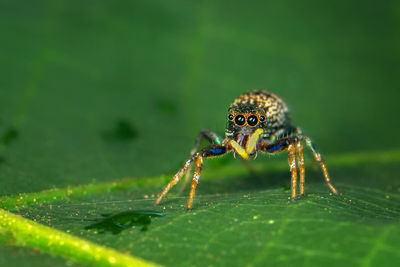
{"type": "Point", "coordinates": [94, 91]}
{"type": "Point", "coordinates": [98, 90]}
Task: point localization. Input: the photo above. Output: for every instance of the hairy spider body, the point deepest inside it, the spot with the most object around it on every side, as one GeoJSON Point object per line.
{"type": "Point", "coordinates": [257, 121]}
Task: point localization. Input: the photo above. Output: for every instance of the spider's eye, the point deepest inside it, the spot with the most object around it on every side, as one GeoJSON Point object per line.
{"type": "Point", "coordinates": [252, 120]}
{"type": "Point", "coordinates": [230, 117]}
{"type": "Point", "coordinates": [262, 118]}
{"type": "Point", "coordinates": [240, 120]}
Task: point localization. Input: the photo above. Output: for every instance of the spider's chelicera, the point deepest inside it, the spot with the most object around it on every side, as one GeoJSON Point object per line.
{"type": "Point", "coordinates": [257, 121]}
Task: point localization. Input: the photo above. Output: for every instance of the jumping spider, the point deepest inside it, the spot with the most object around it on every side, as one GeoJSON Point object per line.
{"type": "Point", "coordinates": [257, 121]}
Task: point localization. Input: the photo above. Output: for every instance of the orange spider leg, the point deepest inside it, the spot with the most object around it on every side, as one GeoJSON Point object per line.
{"type": "Point", "coordinates": [208, 152]}
{"type": "Point", "coordinates": [292, 164]}
{"type": "Point", "coordinates": [300, 163]}
{"type": "Point", "coordinates": [211, 137]}
{"type": "Point", "coordinates": [318, 158]}
{"type": "Point", "coordinates": [186, 179]}
{"type": "Point", "coordinates": [195, 181]}
{"type": "Point", "coordinates": [176, 178]}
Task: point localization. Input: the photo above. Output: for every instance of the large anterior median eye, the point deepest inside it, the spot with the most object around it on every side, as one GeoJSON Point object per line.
{"type": "Point", "coordinates": [252, 120]}
{"type": "Point", "coordinates": [240, 120]}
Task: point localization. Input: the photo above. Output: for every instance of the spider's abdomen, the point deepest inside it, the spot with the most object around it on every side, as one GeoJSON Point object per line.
{"type": "Point", "coordinates": [271, 112]}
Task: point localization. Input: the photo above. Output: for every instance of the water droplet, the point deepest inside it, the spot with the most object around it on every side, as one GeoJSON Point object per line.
{"type": "Point", "coordinates": [116, 223]}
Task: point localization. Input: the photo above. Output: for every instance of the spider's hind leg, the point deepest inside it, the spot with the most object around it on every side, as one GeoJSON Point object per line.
{"type": "Point", "coordinates": [211, 137]}
{"type": "Point", "coordinates": [320, 160]}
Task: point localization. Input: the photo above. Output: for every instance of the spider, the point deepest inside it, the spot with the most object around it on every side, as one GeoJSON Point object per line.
{"type": "Point", "coordinates": [256, 121]}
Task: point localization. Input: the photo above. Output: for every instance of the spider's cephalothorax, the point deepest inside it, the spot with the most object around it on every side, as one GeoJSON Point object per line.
{"type": "Point", "coordinates": [257, 121]}
{"type": "Point", "coordinates": [257, 110]}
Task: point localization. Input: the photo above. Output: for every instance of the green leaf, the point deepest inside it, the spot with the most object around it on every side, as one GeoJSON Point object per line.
{"type": "Point", "coordinates": [95, 93]}
{"type": "Point", "coordinates": [237, 219]}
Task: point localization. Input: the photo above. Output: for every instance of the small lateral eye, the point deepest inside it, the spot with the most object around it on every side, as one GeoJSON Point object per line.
{"type": "Point", "coordinates": [240, 120]}
{"type": "Point", "coordinates": [252, 120]}
{"type": "Point", "coordinates": [230, 117]}
{"type": "Point", "coordinates": [262, 118]}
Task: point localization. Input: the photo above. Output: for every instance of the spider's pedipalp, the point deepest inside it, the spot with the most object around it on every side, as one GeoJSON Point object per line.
{"type": "Point", "coordinates": [239, 149]}
{"type": "Point", "coordinates": [253, 140]}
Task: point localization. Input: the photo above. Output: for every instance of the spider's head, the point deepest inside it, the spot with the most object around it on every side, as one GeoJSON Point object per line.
{"type": "Point", "coordinates": [256, 110]}
{"type": "Point", "coordinates": [243, 120]}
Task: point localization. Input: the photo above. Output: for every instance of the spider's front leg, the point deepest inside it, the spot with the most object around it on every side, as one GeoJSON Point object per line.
{"type": "Point", "coordinates": [288, 144]}
{"type": "Point", "coordinates": [300, 163]}
{"type": "Point", "coordinates": [208, 152]}
{"type": "Point", "coordinates": [294, 147]}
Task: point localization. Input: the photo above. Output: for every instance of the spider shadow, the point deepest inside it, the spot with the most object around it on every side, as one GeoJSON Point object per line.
{"type": "Point", "coordinates": [253, 181]}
